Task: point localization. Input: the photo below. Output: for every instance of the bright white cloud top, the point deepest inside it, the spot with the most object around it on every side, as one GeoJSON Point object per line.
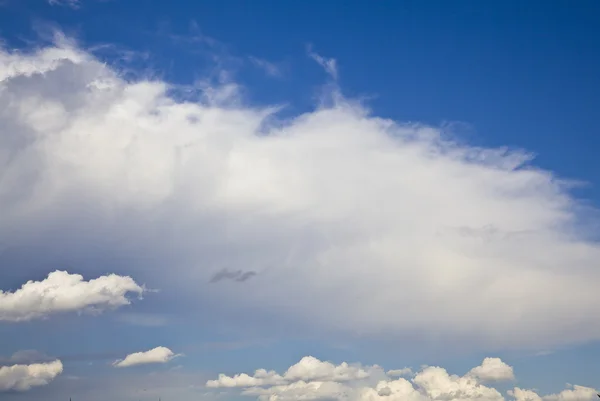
{"type": "Point", "coordinates": [432, 383]}
{"type": "Point", "coordinates": [493, 369]}
{"type": "Point", "coordinates": [155, 355]}
{"type": "Point", "coordinates": [367, 215]}
{"type": "Point", "coordinates": [64, 292]}
{"type": "Point", "coordinates": [24, 377]}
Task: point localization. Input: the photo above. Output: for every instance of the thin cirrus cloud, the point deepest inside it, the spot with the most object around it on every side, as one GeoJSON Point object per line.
{"type": "Point", "coordinates": [24, 377]}
{"type": "Point", "coordinates": [316, 381]}
{"type": "Point", "coordinates": [62, 292]}
{"type": "Point", "coordinates": [363, 213]}
{"type": "Point", "coordinates": [153, 356]}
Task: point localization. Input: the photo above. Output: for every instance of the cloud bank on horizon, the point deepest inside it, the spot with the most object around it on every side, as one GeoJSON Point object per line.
{"type": "Point", "coordinates": [312, 379]}
{"type": "Point", "coordinates": [392, 228]}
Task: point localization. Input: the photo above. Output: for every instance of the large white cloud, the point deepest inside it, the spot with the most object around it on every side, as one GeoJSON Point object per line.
{"type": "Point", "coordinates": [64, 292]}
{"type": "Point", "coordinates": [24, 377]}
{"type": "Point", "coordinates": [337, 217]}
{"type": "Point", "coordinates": [432, 383]}
{"type": "Point", "coordinates": [155, 355]}
{"type": "Point", "coordinates": [307, 369]}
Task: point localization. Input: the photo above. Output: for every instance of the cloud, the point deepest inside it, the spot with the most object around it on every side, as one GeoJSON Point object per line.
{"type": "Point", "coordinates": [431, 383]}
{"type": "Point", "coordinates": [24, 377]}
{"type": "Point", "coordinates": [343, 215]}
{"type": "Point", "coordinates": [271, 69]}
{"type": "Point", "coordinates": [328, 64]}
{"type": "Point", "coordinates": [307, 369]}
{"type": "Point", "coordinates": [238, 276]}
{"type": "Point", "coordinates": [400, 372]}
{"type": "Point", "coordinates": [155, 355]}
{"type": "Point", "coordinates": [66, 3]}
{"type": "Point", "coordinates": [575, 393]}
{"type": "Point", "coordinates": [493, 369]}
{"type": "Point", "coordinates": [63, 292]}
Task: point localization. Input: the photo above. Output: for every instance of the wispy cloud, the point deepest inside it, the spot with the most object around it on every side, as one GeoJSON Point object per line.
{"type": "Point", "coordinates": [328, 64]}
{"type": "Point", "coordinates": [65, 3]}
{"type": "Point", "coordinates": [271, 69]}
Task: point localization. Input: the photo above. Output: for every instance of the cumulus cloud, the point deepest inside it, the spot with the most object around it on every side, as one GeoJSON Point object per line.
{"type": "Point", "coordinates": [431, 383]}
{"type": "Point", "coordinates": [493, 369]}
{"type": "Point", "coordinates": [155, 355]}
{"type": "Point", "coordinates": [24, 377]}
{"type": "Point", "coordinates": [365, 214]}
{"type": "Point", "coordinates": [64, 292]}
{"type": "Point", "coordinates": [307, 369]}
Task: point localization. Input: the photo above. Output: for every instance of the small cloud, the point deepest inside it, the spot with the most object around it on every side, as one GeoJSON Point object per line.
{"type": "Point", "coordinates": [238, 276]}
{"type": "Point", "coordinates": [269, 68]}
{"type": "Point", "coordinates": [400, 372]}
{"type": "Point", "coordinates": [329, 64]}
{"type": "Point", "coordinates": [65, 3]}
{"type": "Point", "coordinates": [155, 355]}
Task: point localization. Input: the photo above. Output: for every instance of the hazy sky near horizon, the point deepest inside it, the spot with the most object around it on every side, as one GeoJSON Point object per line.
{"type": "Point", "coordinates": [361, 201]}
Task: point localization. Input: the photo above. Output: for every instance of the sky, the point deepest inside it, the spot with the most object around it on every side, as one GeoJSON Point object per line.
{"type": "Point", "coordinates": [277, 200]}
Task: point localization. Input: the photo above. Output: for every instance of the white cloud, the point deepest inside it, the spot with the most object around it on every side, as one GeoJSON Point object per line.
{"type": "Point", "coordinates": [430, 384]}
{"type": "Point", "coordinates": [575, 393]}
{"type": "Point", "coordinates": [400, 372]}
{"type": "Point", "coordinates": [269, 68]}
{"type": "Point", "coordinates": [493, 369]}
{"type": "Point", "coordinates": [63, 292]}
{"type": "Point", "coordinates": [307, 369]}
{"type": "Point", "coordinates": [365, 214]}
{"type": "Point", "coordinates": [328, 64]}
{"type": "Point", "coordinates": [24, 377]}
{"type": "Point", "coordinates": [155, 355]}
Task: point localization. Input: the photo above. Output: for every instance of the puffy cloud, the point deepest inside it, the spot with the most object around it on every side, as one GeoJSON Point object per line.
{"type": "Point", "coordinates": [155, 355]}
{"type": "Point", "coordinates": [524, 395]}
{"type": "Point", "coordinates": [24, 377]}
{"type": "Point", "coordinates": [64, 292]}
{"type": "Point", "coordinates": [574, 393]}
{"type": "Point", "coordinates": [365, 214]}
{"type": "Point", "coordinates": [307, 369]}
{"type": "Point", "coordinates": [493, 369]}
{"type": "Point", "coordinates": [300, 390]}
{"type": "Point", "coordinates": [430, 384]}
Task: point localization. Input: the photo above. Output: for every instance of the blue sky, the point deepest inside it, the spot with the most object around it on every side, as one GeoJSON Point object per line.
{"type": "Point", "coordinates": [381, 183]}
